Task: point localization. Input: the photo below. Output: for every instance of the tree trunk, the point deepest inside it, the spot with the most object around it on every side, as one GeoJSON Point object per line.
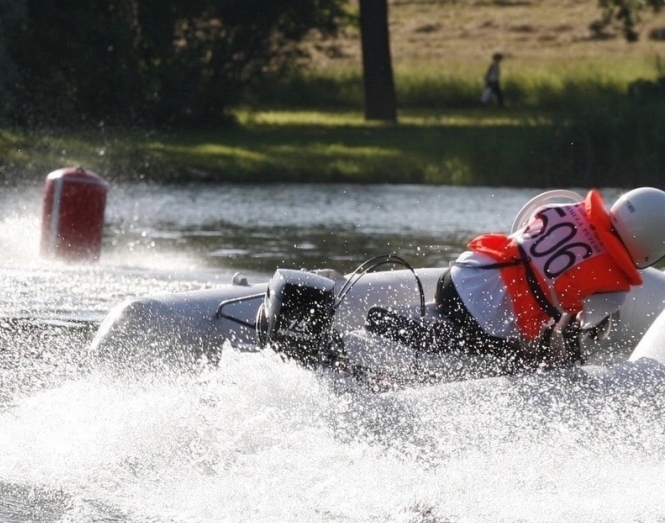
{"type": "Point", "coordinates": [380, 102]}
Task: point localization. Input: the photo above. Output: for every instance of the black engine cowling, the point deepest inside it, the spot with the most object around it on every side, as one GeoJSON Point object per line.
{"type": "Point", "coordinates": [297, 314]}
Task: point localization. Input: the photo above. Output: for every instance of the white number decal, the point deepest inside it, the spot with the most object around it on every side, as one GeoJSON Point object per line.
{"type": "Point", "coordinates": [557, 248]}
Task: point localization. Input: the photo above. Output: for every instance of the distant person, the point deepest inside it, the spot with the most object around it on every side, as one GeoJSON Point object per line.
{"type": "Point", "coordinates": [493, 81]}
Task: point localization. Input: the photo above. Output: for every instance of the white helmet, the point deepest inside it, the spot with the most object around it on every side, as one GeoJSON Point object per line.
{"type": "Point", "coordinates": [639, 219]}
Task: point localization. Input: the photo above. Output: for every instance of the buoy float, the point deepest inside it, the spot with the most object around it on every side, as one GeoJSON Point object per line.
{"type": "Point", "coordinates": [73, 215]}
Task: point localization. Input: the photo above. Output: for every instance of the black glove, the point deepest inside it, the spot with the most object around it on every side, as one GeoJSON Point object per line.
{"type": "Point", "coordinates": [600, 331]}
{"type": "Point", "coordinates": [559, 344]}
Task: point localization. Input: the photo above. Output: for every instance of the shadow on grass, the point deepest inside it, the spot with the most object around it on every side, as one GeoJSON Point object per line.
{"type": "Point", "coordinates": [623, 147]}
{"type": "Point", "coordinates": [615, 141]}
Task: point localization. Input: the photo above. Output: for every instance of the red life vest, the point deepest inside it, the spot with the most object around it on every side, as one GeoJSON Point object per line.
{"type": "Point", "coordinates": [564, 254]}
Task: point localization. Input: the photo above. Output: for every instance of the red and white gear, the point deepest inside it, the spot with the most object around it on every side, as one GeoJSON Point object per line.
{"type": "Point", "coordinates": [564, 254]}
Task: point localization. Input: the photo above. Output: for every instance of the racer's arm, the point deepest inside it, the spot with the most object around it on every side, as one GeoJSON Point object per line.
{"type": "Point", "coordinates": [597, 307]}
{"type": "Point", "coordinates": [560, 342]}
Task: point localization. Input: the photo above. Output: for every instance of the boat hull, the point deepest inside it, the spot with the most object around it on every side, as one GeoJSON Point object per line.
{"type": "Point", "coordinates": [185, 327]}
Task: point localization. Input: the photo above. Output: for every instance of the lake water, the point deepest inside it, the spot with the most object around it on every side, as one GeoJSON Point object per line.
{"type": "Point", "coordinates": [261, 440]}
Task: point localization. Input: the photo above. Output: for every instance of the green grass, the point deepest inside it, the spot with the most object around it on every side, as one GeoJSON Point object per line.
{"type": "Point", "coordinates": [568, 120]}
{"type": "Point", "coordinates": [543, 85]}
{"type": "Point", "coordinates": [271, 146]}
{"type": "Point", "coordinates": [614, 141]}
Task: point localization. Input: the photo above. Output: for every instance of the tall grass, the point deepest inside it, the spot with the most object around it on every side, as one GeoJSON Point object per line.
{"type": "Point", "coordinates": [568, 123]}
{"type": "Point", "coordinates": [571, 127]}
{"type": "Point", "coordinates": [613, 141]}
{"type": "Point", "coordinates": [542, 85]}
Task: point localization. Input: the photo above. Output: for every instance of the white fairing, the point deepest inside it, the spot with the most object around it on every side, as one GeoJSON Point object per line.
{"type": "Point", "coordinates": [184, 326]}
{"type": "Point", "coordinates": [546, 198]}
{"type": "Point", "coordinates": [652, 344]}
{"type": "Point", "coordinates": [643, 305]}
{"type": "Point", "coordinates": [181, 328]}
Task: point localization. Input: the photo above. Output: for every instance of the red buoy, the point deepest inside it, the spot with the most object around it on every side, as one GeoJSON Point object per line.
{"type": "Point", "coordinates": [73, 215]}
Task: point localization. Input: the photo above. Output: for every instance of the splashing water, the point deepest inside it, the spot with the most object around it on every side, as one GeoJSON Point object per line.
{"type": "Point", "coordinates": [263, 440]}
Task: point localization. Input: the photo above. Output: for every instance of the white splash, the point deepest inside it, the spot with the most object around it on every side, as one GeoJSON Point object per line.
{"type": "Point", "coordinates": [260, 439]}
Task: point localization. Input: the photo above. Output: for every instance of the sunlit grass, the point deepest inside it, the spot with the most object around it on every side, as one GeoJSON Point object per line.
{"type": "Point", "coordinates": [210, 151]}
{"type": "Point", "coordinates": [474, 117]}
{"type": "Point", "coordinates": [579, 144]}
{"type": "Point", "coordinates": [539, 84]}
{"type": "Point", "coordinates": [301, 117]}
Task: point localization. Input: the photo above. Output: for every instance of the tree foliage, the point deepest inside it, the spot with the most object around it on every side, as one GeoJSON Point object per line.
{"type": "Point", "coordinates": [150, 61]}
{"type": "Point", "coordinates": [626, 15]}
{"type": "Point", "coordinates": [11, 13]}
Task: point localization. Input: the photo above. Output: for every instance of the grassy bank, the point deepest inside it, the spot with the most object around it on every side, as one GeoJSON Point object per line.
{"type": "Point", "coordinates": [569, 118]}
{"type": "Point", "coordinates": [616, 141]}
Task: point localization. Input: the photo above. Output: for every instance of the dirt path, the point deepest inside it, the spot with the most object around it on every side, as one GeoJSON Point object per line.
{"type": "Point", "coordinates": [459, 31]}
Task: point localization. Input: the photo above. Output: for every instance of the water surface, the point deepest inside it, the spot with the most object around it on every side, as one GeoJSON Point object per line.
{"type": "Point", "coordinates": [258, 439]}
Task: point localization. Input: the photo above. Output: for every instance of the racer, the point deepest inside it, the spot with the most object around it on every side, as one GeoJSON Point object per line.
{"type": "Point", "coordinates": [522, 300]}
{"type": "Point", "coordinates": [526, 296]}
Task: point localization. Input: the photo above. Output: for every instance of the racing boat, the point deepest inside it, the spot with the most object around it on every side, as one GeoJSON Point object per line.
{"type": "Point", "coordinates": [373, 324]}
